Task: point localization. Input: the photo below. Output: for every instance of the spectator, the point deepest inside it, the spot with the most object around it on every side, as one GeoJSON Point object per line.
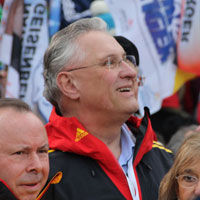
{"type": "Point", "coordinates": [24, 161]}
{"type": "Point", "coordinates": [179, 136]}
{"type": "Point", "coordinates": [182, 180]}
{"type": "Point", "coordinates": [103, 150]}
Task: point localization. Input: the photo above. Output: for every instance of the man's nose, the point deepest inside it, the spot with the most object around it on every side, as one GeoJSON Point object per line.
{"type": "Point", "coordinates": [35, 163]}
{"type": "Point", "coordinates": [127, 70]}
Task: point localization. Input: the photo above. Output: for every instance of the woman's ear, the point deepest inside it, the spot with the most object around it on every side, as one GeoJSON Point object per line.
{"type": "Point", "coordinates": [66, 83]}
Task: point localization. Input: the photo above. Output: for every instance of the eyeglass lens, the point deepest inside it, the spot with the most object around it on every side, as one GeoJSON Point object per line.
{"type": "Point", "coordinates": [187, 180]}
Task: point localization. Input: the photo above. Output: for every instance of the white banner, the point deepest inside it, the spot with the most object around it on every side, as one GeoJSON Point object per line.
{"type": "Point", "coordinates": [35, 41]}
{"type": "Point", "coordinates": [153, 26]}
{"type": "Point", "coordinates": [189, 38]}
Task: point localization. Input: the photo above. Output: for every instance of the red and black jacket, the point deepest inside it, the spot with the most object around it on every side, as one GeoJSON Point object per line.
{"type": "Point", "coordinates": [90, 171]}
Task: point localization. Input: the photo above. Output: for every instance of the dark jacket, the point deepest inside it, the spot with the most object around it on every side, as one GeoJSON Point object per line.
{"type": "Point", "coordinates": [91, 172]}
{"type": "Point", "coordinates": [5, 192]}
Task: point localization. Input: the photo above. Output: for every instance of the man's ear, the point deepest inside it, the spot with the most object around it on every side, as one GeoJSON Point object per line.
{"type": "Point", "coordinates": [66, 83]}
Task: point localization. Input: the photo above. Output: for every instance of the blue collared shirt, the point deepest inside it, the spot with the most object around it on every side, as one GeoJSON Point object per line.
{"type": "Point", "coordinates": [126, 159]}
{"type": "Point", "coordinates": [127, 148]}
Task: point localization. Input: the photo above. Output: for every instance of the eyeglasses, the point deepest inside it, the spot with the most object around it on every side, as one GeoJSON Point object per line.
{"type": "Point", "coordinates": [112, 62]}
{"type": "Point", "coordinates": [187, 180]}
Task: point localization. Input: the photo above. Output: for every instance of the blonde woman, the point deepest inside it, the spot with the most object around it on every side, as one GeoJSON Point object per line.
{"type": "Point", "coordinates": [182, 182]}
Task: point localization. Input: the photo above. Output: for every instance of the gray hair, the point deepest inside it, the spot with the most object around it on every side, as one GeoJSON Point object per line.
{"type": "Point", "coordinates": [64, 50]}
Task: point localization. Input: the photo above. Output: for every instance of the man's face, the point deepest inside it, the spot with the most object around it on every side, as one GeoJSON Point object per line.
{"type": "Point", "coordinates": [111, 92]}
{"type": "Point", "coordinates": [24, 159]}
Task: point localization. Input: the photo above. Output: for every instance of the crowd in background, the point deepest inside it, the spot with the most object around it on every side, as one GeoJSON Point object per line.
{"type": "Point", "coordinates": [27, 27]}
{"type": "Point", "coordinates": [167, 62]}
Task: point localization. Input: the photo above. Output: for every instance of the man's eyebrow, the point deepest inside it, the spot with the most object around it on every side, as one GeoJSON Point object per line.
{"type": "Point", "coordinates": [112, 56]}
{"type": "Point", "coordinates": [23, 147]}
{"type": "Point", "coordinates": [44, 146]}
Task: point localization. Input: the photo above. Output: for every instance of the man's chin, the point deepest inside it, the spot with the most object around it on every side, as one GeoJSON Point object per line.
{"type": "Point", "coordinates": [134, 108]}
{"type": "Point", "coordinates": [29, 197]}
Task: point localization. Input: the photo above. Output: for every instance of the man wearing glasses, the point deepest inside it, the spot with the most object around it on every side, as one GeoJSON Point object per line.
{"type": "Point", "coordinates": [103, 150]}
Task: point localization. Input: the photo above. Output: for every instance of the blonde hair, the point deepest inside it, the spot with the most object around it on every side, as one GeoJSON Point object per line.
{"type": "Point", "coordinates": [187, 154]}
